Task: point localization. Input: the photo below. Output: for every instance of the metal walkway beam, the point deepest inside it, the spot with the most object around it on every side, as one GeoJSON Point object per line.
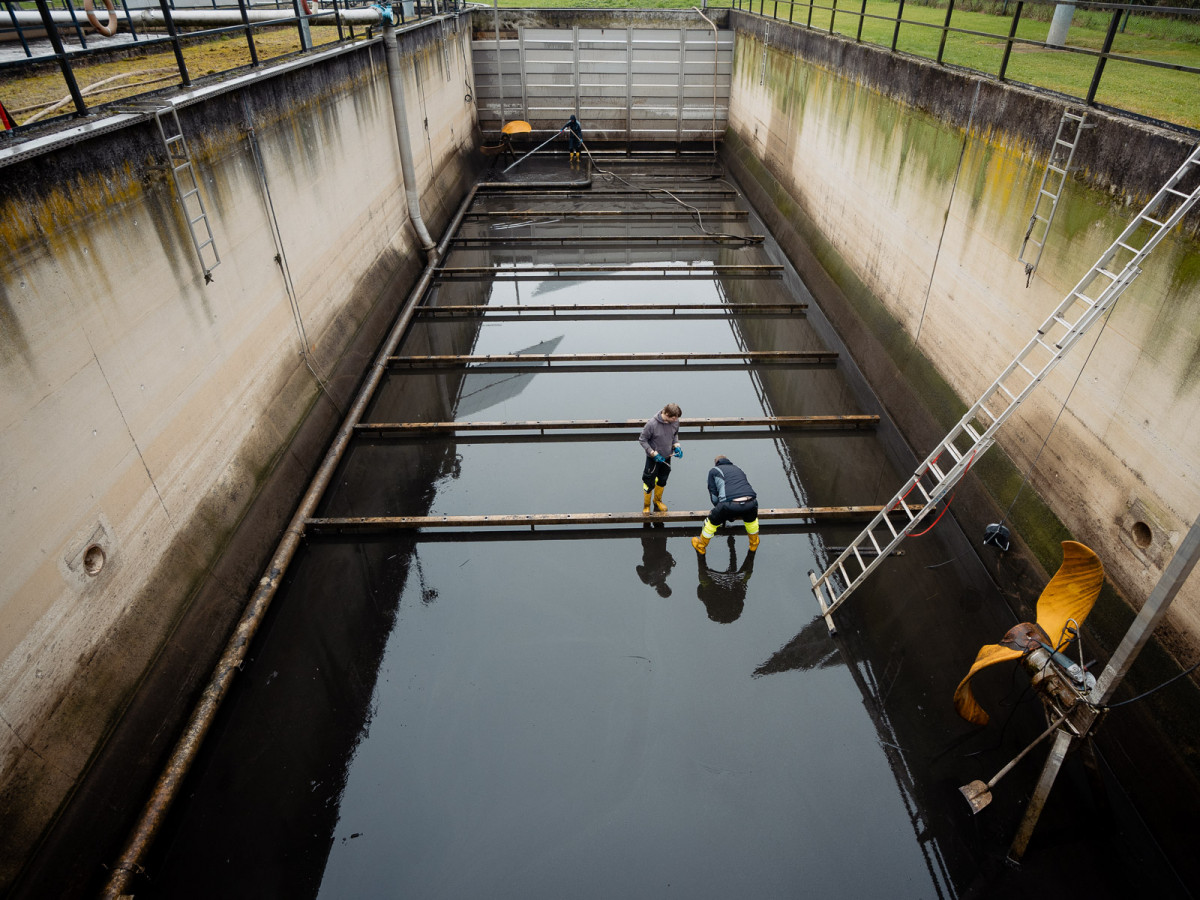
{"type": "Point", "coordinates": [564, 360]}
{"type": "Point", "coordinates": [604, 311]}
{"type": "Point", "coordinates": [573, 272]}
{"type": "Point", "coordinates": [533, 520]}
{"type": "Point", "coordinates": [775, 423]}
{"type": "Point", "coordinates": [572, 193]}
{"type": "Point", "coordinates": [587, 241]}
{"type": "Point", "coordinates": [544, 214]}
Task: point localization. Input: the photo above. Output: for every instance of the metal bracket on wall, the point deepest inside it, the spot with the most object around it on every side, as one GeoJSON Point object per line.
{"type": "Point", "coordinates": [1070, 128]}
{"type": "Point", "coordinates": [183, 173]}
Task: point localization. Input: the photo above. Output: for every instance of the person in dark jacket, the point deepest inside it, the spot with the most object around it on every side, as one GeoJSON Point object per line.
{"type": "Point", "coordinates": [574, 137]}
{"type": "Point", "coordinates": [733, 498]}
{"type": "Point", "coordinates": [660, 440]}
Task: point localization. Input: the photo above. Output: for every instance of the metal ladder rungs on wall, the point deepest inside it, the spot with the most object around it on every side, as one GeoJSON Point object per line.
{"type": "Point", "coordinates": [1062, 154]}
{"type": "Point", "coordinates": [973, 435]}
{"type": "Point", "coordinates": [187, 188]}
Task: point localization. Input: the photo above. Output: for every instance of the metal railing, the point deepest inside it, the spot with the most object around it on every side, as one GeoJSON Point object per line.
{"type": "Point", "coordinates": [42, 35]}
{"type": "Point", "coordinates": [1099, 53]}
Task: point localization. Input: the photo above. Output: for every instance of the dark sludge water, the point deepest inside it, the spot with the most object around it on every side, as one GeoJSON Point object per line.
{"type": "Point", "coordinates": [600, 712]}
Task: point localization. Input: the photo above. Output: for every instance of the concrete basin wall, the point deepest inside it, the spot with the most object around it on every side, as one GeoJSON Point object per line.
{"type": "Point", "coordinates": [902, 191]}
{"type": "Point", "coordinates": [156, 431]}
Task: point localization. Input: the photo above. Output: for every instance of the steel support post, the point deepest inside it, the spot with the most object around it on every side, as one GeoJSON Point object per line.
{"type": "Point", "coordinates": [1058, 752]}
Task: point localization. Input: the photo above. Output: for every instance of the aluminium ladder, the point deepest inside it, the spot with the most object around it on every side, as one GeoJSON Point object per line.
{"type": "Point", "coordinates": [183, 173]}
{"type": "Point", "coordinates": [1054, 179]}
{"type": "Point", "coordinates": [1115, 270]}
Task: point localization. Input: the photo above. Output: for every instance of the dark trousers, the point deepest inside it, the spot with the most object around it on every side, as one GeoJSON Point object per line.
{"type": "Point", "coordinates": [655, 473]}
{"type": "Point", "coordinates": [729, 511]}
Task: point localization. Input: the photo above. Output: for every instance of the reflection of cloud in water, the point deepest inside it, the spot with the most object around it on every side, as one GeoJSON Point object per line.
{"type": "Point", "coordinates": [483, 390]}
{"type": "Point", "coordinates": [812, 648]}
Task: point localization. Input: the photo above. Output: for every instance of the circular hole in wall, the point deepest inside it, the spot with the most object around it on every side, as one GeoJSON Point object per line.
{"type": "Point", "coordinates": [1142, 536]}
{"type": "Point", "coordinates": [93, 559]}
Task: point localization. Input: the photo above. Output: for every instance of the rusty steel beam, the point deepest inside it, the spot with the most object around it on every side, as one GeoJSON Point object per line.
{"type": "Point", "coordinates": [560, 359]}
{"type": "Point", "coordinates": [544, 214]}
{"type": "Point", "coordinates": [494, 188]}
{"type": "Point", "coordinates": [575, 272]}
{"type": "Point", "coordinates": [841, 423]}
{"type": "Point", "coordinates": [621, 240]}
{"type": "Point", "coordinates": [645, 310]}
{"type": "Point", "coordinates": [533, 520]}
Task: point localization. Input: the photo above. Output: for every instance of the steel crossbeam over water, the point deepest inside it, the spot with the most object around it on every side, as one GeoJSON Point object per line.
{"type": "Point", "coordinates": [541, 215]}
{"type": "Point", "coordinates": [774, 423]}
{"type": "Point", "coordinates": [533, 520]}
{"type": "Point", "coordinates": [611, 311]}
{"type": "Point", "coordinates": [975, 432]}
{"type": "Point", "coordinates": [590, 241]}
{"type": "Point", "coordinates": [563, 360]}
{"type": "Point", "coordinates": [637, 272]}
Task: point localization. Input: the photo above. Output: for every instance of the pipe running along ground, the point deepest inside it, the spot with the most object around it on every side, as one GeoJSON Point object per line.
{"type": "Point", "coordinates": [188, 745]}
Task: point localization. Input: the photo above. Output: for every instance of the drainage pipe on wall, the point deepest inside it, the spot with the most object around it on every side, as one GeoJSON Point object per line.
{"type": "Point", "coordinates": [392, 53]}
{"type": "Point", "coordinates": [188, 747]}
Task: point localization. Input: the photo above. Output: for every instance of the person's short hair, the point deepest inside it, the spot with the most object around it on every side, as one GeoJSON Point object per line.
{"type": "Point", "coordinates": [672, 409]}
{"type": "Point", "coordinates": [719, 457]}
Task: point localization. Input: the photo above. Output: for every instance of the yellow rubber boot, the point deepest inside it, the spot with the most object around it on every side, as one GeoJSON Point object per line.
{"type": "Point", "coordinates": [752, 530]}
{"type": "Point", "coordinates": [706, 535]}
{"type": "Point", "coordinates": [646, 497]}
{"type": "Point", "coordinates": [658, 504]}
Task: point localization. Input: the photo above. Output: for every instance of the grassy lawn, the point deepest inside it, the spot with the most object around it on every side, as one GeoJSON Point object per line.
{"type": "Point", "coordinates": [1150, 91]}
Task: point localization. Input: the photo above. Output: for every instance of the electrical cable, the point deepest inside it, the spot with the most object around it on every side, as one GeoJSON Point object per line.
{"type": "Point", "coordinates": [695, 211]}
{"type": "Point", "coordinates": [1144, 694]}
{"type": "Point", "coordinates": [1062, 409]}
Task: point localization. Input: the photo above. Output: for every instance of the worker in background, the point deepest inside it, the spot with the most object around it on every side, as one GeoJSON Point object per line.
{"type": "Point", "coordinates": [574, 137]}
{"type": "Point", "coordinates": [733, 498]}
{"type": "Point", "coordinates": [660, 440]}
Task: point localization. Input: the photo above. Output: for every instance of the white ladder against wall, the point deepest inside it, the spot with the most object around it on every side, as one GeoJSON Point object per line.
{"type": "Point", "coordinates": [1054, 179]}
{"type": "Point", "coordinates": [188, 189]}
{"type": "Point", "coordinates": [1116, 269]}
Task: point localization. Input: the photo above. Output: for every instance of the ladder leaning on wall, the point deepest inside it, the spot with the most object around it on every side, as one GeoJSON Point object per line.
{"type": "Point", "coordinates": [1095, 294]}
{"type": "Point", "coordinates": [1058, 166]}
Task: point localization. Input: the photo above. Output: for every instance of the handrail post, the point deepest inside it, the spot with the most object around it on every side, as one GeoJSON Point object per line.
{"type": "Point", "coordinates": [899, 19]}
{"type": "Point", "coordinates": [63, 62]}
{"type": "Point", "coordinates": [249, 33]}
{"type": "Point", "coordinates": [1012, 32]}
{"type": "Point", "coordinates": [1108, 42]}
{"type": "Point", "coordinates": [175, 43]}
{"type": "Point", "coordinates": [945, 30]}
{"type": "Point", "coordinates": [862, 17]}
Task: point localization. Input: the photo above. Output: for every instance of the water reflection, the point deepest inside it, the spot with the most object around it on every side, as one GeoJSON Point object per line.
{"type": "Point", "coordinates": [724, 593]}
{"type": "Point", "coordinates": [657, 561]}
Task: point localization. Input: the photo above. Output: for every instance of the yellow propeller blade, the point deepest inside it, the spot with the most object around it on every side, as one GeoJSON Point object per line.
{"type": "Point", "coordinates": [965, 703]}
{"type": "Point", "coordinates": [1072, 592]}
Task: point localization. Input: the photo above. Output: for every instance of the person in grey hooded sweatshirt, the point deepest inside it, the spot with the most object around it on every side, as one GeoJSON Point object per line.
{"type": "Point", "coordinates": [660, 440]}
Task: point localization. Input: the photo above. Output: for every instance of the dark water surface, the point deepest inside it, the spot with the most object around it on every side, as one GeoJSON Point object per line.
{"type": "Point", "coordinates": [603, 713]}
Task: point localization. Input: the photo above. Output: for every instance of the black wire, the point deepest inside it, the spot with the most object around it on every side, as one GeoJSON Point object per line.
{"type": "Point", "coordinates": [1145, 694]}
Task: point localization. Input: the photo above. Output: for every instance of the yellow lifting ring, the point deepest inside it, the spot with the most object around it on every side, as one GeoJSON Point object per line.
{"type": "Point", "coordinates": [113, 22]}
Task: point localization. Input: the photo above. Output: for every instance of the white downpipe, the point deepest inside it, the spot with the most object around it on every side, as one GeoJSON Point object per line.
{"type": "Point", "coordinates": [408, 171]}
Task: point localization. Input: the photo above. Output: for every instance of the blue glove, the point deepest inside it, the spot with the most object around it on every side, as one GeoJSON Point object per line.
{"type": "Point", "coordinates": [658, 458]}
{"type": "Point", "coordinates": [679, 453]}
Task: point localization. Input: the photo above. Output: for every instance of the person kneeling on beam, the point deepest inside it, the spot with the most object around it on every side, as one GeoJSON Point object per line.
{"type": "Point", "coordinates": [733, 498]}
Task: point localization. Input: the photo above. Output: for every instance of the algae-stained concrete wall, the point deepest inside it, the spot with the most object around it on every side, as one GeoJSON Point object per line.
{"type": "Point", "coordinates": [906, 189]}
{"type": "Point", "coordinates": [144, 411]}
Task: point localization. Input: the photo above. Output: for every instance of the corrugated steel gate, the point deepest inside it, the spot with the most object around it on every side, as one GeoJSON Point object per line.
{"type": "Point", "coordinates": [625, 84]}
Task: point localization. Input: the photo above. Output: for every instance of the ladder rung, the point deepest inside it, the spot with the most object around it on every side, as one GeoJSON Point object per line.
{"type": "Point", "coordinates": [1065, 143]}
{"type": "Point", "coordinates": [1028, 371]}
{"type": "Point", "coordinates": [1155, 222]}
{"type": "Point", "coordinates": [888, 522]}
{"type": "Point", "coordinates": [190, 193]}
{"type": "Point", "coordinates": [1006, 391]}
{"type": "Point", "coordinates": [1054, 168]}
{"type": "Point", "coordinates": [1177, 193]}
{"type": "Point", "coordinates": [941, 476]}
{"type": "Point", "coordinates": [858, 556]}
{"type": "Point", "coordinates": [1084, 297]}
{"type": "Point", "coordinates": [1127, 247]}
{"type": "Point", "coordinates": [1078, 117]}
{"type": "Point", "coordinates": [874, 543]}
{"type": "Point", "coordinates": [954, 452]}
{"type": "Point", "coordinates": [972, 432]}
{"type": "Point", "coordinates": [842, 569]}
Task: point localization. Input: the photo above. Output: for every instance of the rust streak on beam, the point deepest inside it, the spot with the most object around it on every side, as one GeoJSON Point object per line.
{"type": "Point", "coordinates": [542, 215]}
{"type": "Point", "coordinates": [551, 359]}
{"type": "Point", "coordinates": [846, 422]}
{"type": "Point", "coordinates": [736, 309]}
{"type": "Point", "coordinates": [392, 523]}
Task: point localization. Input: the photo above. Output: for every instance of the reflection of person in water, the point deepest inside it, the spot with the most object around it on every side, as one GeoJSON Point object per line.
{"type": "Point", "coordinates": [724, 593]}
{"type": "Point", "coordinates": [657, 562]}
